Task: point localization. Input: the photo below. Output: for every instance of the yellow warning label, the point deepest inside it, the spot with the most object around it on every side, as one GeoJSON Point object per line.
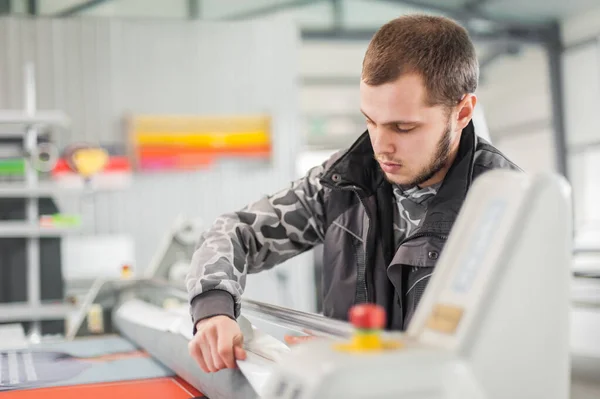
{"type": "Point", "coordinates": [445, 318]}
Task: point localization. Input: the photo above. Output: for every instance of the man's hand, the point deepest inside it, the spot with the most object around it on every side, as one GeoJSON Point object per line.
{"type": "Point", "coordinates": [217, 344]}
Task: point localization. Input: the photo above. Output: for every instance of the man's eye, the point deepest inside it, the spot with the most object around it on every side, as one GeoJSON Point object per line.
{"type": "Point", "coordinates": [369, 122]}
{"type": "Point", "coordinates": [403, 130]}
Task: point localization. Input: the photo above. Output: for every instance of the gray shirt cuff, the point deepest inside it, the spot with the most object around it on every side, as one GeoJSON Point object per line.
{"type": "Point", "coordinates": [212, 303]}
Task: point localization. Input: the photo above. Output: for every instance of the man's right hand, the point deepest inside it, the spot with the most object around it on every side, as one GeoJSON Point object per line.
{"type": "Point", "coordinates": [217, 344]}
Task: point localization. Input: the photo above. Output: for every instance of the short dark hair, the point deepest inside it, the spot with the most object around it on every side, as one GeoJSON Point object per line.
{"type": "Point", "coordinates": [437, 48]}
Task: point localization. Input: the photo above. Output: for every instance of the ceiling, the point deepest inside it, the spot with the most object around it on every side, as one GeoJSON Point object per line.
{"type": "Point", "coordinates": [499, 27]}
{"type": "Point", "coordinates": [350, 14]}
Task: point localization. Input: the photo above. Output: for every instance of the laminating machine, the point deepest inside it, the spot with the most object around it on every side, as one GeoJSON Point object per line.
{"type": "Point", "coordinates": [492, 323]}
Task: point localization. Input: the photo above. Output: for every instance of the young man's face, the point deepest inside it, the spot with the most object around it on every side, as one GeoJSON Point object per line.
{"type": "Point", "coordinates": [413, 142]}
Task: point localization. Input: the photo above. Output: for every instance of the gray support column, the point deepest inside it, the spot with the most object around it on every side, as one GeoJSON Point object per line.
{"type": "Point", "coordinates": [554, 52]}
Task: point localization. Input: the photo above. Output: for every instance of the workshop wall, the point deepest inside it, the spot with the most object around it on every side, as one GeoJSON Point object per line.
{"type": "Point", "coordinates": [515, 94]}
{"type": "Point", "coordinates": [98, 70]}
{"type": "Point", "coordinates": [581, 63]}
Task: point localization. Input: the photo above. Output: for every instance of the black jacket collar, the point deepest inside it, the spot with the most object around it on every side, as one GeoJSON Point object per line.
{"type": "Point", "coordinates": [357, 167]}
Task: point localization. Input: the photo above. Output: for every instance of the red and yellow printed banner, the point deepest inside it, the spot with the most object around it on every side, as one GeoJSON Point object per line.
{"type": "Point", "coordinates": [190, 142]}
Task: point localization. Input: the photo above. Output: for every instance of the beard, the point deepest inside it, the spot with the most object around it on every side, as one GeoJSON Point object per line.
{"type": "Point", "coordinates": [437, 162]}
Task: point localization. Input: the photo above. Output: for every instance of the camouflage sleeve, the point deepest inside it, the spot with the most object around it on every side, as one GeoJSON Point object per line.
{"type": "Point", "coordinates": [256, 238]}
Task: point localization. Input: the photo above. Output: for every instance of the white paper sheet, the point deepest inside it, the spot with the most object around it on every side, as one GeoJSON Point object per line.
{"type": "Point", "coordinates": [12, 337]}
{"type": "Point", "coordinates": [256, 370]}
{"type": "Point", "coordinates": [263, 350]}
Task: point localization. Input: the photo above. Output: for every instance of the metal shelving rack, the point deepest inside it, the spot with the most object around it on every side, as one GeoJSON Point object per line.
{"type": "Point", "coordinates": [32, 121]}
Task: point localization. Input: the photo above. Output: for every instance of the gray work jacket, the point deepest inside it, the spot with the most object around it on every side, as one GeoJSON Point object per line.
{"type": "Point", "coordinates": [347, 205]}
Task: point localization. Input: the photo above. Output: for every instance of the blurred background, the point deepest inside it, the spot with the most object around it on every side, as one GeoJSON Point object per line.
{"type": "Point", "coordinates": [205, 105]}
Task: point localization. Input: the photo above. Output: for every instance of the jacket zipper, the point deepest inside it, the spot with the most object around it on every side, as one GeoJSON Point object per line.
{"type": "Point", "coordinates": [362, 293]}
{"type": "Point", "coordinates": [401, 295]}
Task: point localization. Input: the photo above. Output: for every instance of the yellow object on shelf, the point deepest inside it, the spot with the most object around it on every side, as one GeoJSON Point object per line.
{"type": "Point", "coordinates": [126, 272]}
{"type": "Point", "coordinates": [95, 319]}
{"type": "Point", "coordinates": [89, 161]}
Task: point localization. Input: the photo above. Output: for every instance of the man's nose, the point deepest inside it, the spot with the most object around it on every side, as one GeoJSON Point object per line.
{"type": "Point", "coordinates": [382, 141]}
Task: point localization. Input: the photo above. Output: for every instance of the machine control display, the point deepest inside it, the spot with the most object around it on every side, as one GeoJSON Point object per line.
{"type": "Point", "coordinates": [459, 294]}
{"type": "Point", "coordinates": [481, 240]}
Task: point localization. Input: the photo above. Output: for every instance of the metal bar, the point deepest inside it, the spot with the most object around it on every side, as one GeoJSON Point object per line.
{"type": "Point", "coordinates": [330, 81]}
{"type": "Point", "coordinates": [501, 35]}
{"type": "Point", "coordinates": [586, 250]}
{"type": "Point", "coordinates": [589, 146]}
{"type": "Point", "coordinates": [32, 7]}
{"type": "Point", "coordinates": [465, 14]}
{"type": "Point", "coordinates": [590, 275]}
{"type": "Point", "coordinates": [497, 51]}
{"type": "Point", "coordinates": [194, 9]}
{"type": "Point", "coordinates": [295, 319]}
{"type": "Point", "coordinates": [172, 350]}
{"type": "Point", "coordinates": [30, 140]}
{"type": "Point", "coordinates": [554, 53]}
{"type": "Point", "coordinates": [5, 7]}
{"type": "Point", "coordinates": [285, 317]}
{"type": "Point", "coordinates": [337, 8]}
{"type": "Point", "coordinates": [33, 243]}
{"type": "Point", "coordinates": [88, 301]}
{"type": "Point", "coordinates": [454, 12]}
{"type": "Point", "coordinates": [338, 34]}
{"type": "Point", "coordinates": [289, 318]}
{"type": "Point", "coordinates": [76, 9]}
{"type": "Point", "coordinates": [18, 229]}
{"type": "Point", "coordinates": [40, 117]}
{"type": "Point", "coordinates": [262, 11]}
{"type": "Point", "coordinates": [19, 312]}
{"type": "Point", "coordinates": [474, 5]}
{"type": "Point", "coordinates": [19, 190]}
{"type": "Point", "coordinates": [588, 41]}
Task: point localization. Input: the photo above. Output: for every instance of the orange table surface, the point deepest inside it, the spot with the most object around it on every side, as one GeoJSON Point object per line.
{"type": "Point", "coordinates": [164, 388]}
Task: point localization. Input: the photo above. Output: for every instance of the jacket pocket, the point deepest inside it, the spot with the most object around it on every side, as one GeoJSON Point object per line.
{"type": "Point", "coordinates": [422, 252]}
{"type": "Point", "coordinates": [341, 256]}
{"type": "Point", "coordinates": [418, 279]}
{"type": "Point", "coordinates": [418, 258]}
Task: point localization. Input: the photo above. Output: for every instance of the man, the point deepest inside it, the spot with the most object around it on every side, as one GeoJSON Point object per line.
{"type": "Point", "coordinates": [382, 208]}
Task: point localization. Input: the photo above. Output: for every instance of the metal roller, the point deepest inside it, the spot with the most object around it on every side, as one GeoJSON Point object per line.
{"type": "Point", "coordinates": [158, 331]}
{"type": "Point", "coordinates": [165, 335]}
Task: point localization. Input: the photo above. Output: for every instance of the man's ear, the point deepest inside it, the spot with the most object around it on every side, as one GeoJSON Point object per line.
{"type": "Point", "coordinates": [465, 108]}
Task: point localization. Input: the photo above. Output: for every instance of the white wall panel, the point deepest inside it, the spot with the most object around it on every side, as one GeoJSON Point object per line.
{"type": "Point", "coordinates": [140, 9]}
{"type": "Point", "coordinates": [515, 90]}
{"type": "Point", "coordinates": [98, 70]}
{"type": "Point", "coordinates": [581, 27]}
{"type": "Point", "coordinates": [532, 151]}
{"type": "Point", "coordinates": [582, 94]}
{"type": "Point", "coordinates": [336, 60]}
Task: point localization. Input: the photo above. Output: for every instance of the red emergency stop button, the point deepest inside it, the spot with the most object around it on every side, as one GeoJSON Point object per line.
{"type": "Point", "coordinates": [367, 316]}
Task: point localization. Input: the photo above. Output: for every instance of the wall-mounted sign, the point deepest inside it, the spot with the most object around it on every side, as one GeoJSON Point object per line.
{"type": "Point", "coordinates": [193, 142]}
